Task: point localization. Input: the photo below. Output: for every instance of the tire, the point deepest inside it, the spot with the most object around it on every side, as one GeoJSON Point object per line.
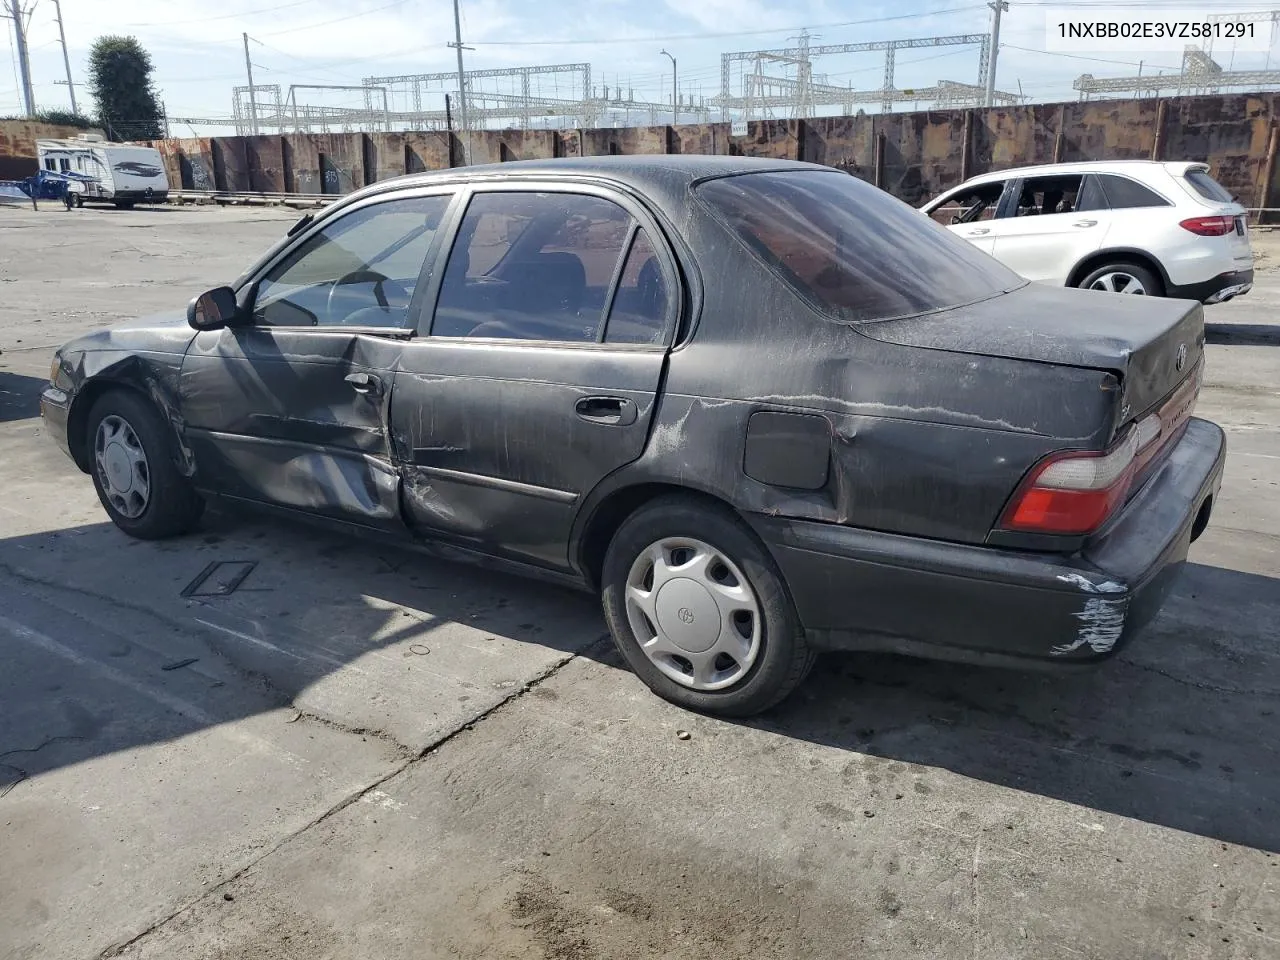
{"type": "Point", "coordinates": [1123, 277]}
{"type": "Point", "coordinates": [739, 687]}
{"type": "Point", "coordinates": [121, 428]}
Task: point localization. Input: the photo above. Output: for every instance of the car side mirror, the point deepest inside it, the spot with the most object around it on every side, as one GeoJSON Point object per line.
{"type": "Point", "coordinates": [213, 309]}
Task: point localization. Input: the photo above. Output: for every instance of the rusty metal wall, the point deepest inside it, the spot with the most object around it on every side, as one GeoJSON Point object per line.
{"type": "Point", "coordinates": [912, 155]}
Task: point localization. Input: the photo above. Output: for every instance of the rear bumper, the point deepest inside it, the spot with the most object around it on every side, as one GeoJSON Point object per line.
{"type": "Point", "coordinates": [1224, 286]}
{"type": "Point", "coordinates": [141, 196]}
{"type": "Point", "coordinates": [860, 590]}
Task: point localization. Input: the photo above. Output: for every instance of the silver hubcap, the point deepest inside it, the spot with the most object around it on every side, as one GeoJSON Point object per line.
{"type": "Point", "coordinates": [122, 467]}
{"type": "Point", "coordinates": [694, 613]}
{"type": "Point", "coordinates": [1119, 282]}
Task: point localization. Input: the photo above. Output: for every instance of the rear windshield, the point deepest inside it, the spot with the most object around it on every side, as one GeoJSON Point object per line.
{"type": "Point", "coordinates": [852, 249]}
{"type": "Point", "coordinates": [1208, 187]}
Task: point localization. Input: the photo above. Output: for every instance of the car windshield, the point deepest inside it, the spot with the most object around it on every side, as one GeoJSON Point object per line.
{"type": "Point", "coordinates": [851, 248]}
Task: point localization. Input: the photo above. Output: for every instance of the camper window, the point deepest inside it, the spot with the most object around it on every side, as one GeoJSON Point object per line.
{"type": "Point", "coordinates": [51, 164]}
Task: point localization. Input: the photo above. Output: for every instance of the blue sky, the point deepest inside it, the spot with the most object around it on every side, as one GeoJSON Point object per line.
{"type": "Point", "coordinates": [198, 53]}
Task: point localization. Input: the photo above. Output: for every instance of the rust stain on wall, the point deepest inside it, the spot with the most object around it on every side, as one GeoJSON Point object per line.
{"type": "Point", "coordinates": [919, 154]}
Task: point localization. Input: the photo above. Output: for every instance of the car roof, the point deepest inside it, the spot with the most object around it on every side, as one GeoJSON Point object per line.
{"type": "Point", "coordinates": [665, 178]}
{"type": "Point", "coordinates": [1089, 166]}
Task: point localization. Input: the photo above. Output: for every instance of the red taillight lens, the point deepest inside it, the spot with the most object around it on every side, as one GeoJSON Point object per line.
{"type": "Point", "coordinates": [1209, 226]}
{"type": "Point", "coordinates": [1075, 493]}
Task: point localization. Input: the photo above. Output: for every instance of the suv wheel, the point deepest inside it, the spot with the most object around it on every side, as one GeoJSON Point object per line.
{"type": "Point", "coordinates": [1124, 278]}
{"type": "Point", "coordinates": [137, 481]}
{"type": "Point", "coordinates": [699, 611]}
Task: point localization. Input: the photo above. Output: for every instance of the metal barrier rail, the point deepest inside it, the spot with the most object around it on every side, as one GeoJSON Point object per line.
{"type": "Point", "coordinates": [226, 197]}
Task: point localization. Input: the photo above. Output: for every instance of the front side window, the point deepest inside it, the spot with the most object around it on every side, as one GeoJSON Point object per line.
{"type": "Point", "coordinates": [532, 266]}
{"type": "Point", "coordinates": [970, 205]}
{"type": "Point", "coordinates": [360, 270]}
{"type": "Point", "coordinates": [851, 248]}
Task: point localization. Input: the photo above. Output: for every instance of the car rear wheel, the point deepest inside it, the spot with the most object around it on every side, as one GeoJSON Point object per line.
{"type": "Point", "coordinates": [700, 612]}
{"type": "Point", "coordinates": [1124, 278]}
{"type": "Point", "coordinates": [135, 476]}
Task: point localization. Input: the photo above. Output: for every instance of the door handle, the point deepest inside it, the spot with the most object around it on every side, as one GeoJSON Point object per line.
{"type": "Point", "coordinates": [981, 231]}
{"type": "Point", "coordinates": [365, 383]}
{"type": "Point", "coordinates": [613, 411]}
{"type": "Point", "coordinates": [1085, 223]}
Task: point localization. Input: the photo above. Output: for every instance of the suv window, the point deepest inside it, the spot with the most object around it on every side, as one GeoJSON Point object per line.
{"type": "Point", "coordinates": [642, 302]}
{"type": "Point", "coordinates": [1124, 194]}
{"type": "Point", "coordinates": [850, 247]}
{"type": "Point", "coordinates": [1069, 193]}
{"type": "Point", "coordinates": [360, 270]}
{"type": "Point", "coordinates": [972, 205]}
{"type": "Point", "coordinates": [532, 266]}
{"type": "Point", "coordinates": [1208, 187]}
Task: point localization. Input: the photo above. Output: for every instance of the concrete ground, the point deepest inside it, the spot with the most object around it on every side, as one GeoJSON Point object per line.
{"type": "Point", "coordinates": [365, 754]}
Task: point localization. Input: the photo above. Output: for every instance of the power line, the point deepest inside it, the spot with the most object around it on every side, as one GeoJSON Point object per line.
{"type": "Point", "coordinates": [226, 16]}
{"type": "Point", "coordinates": [1076, 56]}
{"type": "Point", "coordinates": [670, 38]}
{"type": "Point", "coordinates": [329, 23]}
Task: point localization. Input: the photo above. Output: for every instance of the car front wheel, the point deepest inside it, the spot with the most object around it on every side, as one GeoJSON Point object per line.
{"type": "Point", "coordinates": [699, 610]}
{"type": "Point", "coordinates": [1124, 278]}
{"type": "Point", "coordinates": [135, 476]}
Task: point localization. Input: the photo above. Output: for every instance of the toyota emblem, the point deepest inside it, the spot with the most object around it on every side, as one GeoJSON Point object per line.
{"type": "Point", "coordinates": [685, 615]}
{"type": "Point", "coordinates": [1180, 360]}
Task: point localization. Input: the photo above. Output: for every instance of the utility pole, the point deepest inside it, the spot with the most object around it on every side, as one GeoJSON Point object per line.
{"type": "Point", "coordinates": [462, 86]}
{"type": "Point", "coordinates": [253, 100]}
{"type": "Point", "coordinates": [675, 90]}
{"type": "Point", "coordinates": [997, 7]}
{"type": "Point", "coordinates": [66, 60]}
{"type": "Point", "coordinates": [24, 65]}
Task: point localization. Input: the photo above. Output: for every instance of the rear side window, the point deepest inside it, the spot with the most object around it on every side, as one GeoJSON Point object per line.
{"type": "Point", "coordinates": [1208, 187]}
{"type": "Point", "coordinates": [852, 249]}
{"type": "Point", "coordinates": [1124, 194]}
{"type": "Point", "coordinates": [532, 266]}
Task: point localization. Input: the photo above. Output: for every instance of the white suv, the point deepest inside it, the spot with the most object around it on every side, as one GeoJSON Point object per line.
{"type": "Point", "coordinates": [1126, 226]}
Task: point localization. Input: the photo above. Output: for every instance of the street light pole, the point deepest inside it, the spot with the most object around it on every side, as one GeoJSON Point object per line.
{"type": "Point", "coordinates": [675, 90]}
{"type": "Point", "coordinates": [462, 86]}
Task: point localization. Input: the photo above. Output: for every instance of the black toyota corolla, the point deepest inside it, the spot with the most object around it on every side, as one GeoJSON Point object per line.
{"type": "Point", "coordinates": [761, 407]}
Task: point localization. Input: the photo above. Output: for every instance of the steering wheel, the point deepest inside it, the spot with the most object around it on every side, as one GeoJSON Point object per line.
{"type": "Point", "coordinates": [382, 284]}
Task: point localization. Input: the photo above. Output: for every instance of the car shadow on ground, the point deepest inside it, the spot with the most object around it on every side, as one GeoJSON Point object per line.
{"type": "Point", "coordinates": [19, 396]}
{"type": "Point", "coordinates": [1178, 730]}
{"type": "Point", "coordinates": [1243, 334]}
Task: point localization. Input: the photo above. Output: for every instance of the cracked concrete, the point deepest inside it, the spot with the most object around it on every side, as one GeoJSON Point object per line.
{"type": "Point", "coordinates": [370, 754]}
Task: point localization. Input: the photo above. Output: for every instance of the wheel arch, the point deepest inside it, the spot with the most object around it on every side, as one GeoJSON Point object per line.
{"type": "Point", "coordinates": [93, 390]}
{"type": "Point", "coordinates": [1141, 258]}
{"type": "Point", "coordinates": [602, 518]}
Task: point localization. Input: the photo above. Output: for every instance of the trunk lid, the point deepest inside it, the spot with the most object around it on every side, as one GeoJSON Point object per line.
{"type": "Point", "coordinates": [1152, 345]}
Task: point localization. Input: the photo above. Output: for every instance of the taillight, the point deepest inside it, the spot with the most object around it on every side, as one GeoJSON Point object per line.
{"type": "Point", "coordinates": [1209, 226]}
{"type": "Point", "coordinates": [1076, 492]}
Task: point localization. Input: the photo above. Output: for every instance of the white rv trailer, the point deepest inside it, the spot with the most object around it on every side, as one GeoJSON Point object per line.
{"type": "Point", "coordinates": [126, 174]}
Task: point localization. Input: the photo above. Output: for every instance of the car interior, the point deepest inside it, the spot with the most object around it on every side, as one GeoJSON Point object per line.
{"type": "Point", "coordinates": [538, 290]}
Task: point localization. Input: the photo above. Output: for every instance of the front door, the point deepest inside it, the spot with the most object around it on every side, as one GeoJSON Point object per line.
{"type": "Point", "coordinates": [968, 212]}
{"type": "Point", "coordinates": [541, 372]}
{"type": "Point", "coordinates": [291, 408]}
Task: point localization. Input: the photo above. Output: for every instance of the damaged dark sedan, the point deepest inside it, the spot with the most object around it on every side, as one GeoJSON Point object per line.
{"type": "Point", "coordinates": [760, 407]}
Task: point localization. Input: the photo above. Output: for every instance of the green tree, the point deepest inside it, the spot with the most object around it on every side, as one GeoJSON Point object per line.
{"type": "Point", "coordinates": [120, 80]}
